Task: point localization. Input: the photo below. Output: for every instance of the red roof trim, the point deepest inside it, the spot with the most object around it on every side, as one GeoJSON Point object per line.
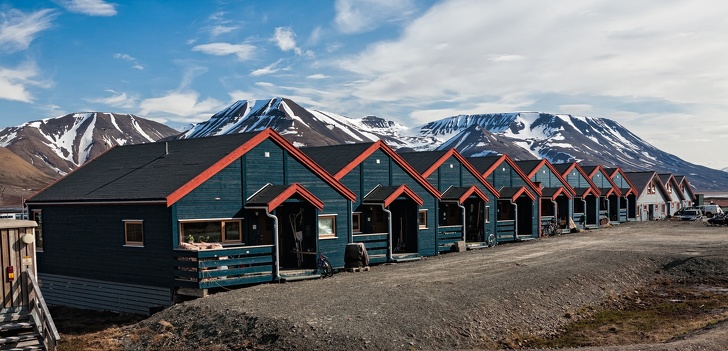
{"type": "Point", "coordinates": [242, 150]}
{"type": "Point", "coordinates": [454, 153]}
{"type": "Point", "coordinates": [554, 171]}
{"type": "Point", "coordinates": [380, 145]}
{"type": "Point", "coordinates": [403, 189]}
{"type": "Point", "coordinates": [521, 192]}
{"type": "Point", "coordinates": [295, 188]}
{"type": "Point", "coordinates": [604, 173]}
{"type": "Point", "coordinates": [559, 192]}
{"type": "Point", "coordinates": [632, 189]}
{"type": "Point", "coordinates": [473, 190]}
{"type": "Point", "coordinates": [518, 170]}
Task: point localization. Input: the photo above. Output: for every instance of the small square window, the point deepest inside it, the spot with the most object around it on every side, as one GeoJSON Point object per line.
{"type": "Point", "coordinates": [134, 233]}
{"type": "Point", "coordinates": [422, 219]}
{"type": "Point", "coordinates": [327, 226]}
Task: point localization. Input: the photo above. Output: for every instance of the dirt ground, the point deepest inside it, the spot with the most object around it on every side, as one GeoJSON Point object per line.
{"type": "Point", "coordinates": [517, 295]}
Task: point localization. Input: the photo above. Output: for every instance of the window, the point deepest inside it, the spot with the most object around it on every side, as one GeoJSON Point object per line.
{"type": "Point", "coordinates": [327, 226]}
{"type": "Point", "coordinates": [133, 233]}
{"type": "Point", "coordinates": [487, 214]}
{"type": "Point", "coordinates": [225, 231]}
{"type": "Point", "coordinates": [356, 222]}
{"type": "Point", "coordinates": [422, 219]}
{"type": "Point", "coordinates": [37, 216]}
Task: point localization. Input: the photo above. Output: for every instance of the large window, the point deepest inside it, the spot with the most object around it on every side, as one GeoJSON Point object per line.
{"type": "Point", "coordinates": [37, 216]}
{"type": "Point", "coordinates": [327, 226]}
{"type": "Point", "coordinates": [134, 233]}
{"type": "Point", "coordinates": [211, 231]}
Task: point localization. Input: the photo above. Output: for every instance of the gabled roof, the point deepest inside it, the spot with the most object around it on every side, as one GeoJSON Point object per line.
{"type": "Point", "coordinates": [427, 162]}
{"type": "Point", "coordinates": [685, 184]}
{"type": "Point", "coordinates": [486, 165]}
{"type": "Point", "coordinates": [339, 160]}
{"type": "Point", "coordinates": [566, 168]}
{"type": "Point", "coordinates": [271, 196]}
{"type": "Point", "coordinates": [555, 192]}
{"type": "Point", "coordinates": [164, 172]}
{"type": "Point", "coordinates": [530, 167]}
{"type": "Point", "coordinates": [593, 170]}
{"type": "Point", "coordinates": [642, 179]}
{"type": "Point", "coordinates": [668, 178]}
{"type": "Point", "coordinates": [462, 193]}
{"type": "Point", "coordinates": [387, 194]}
{"type": "Point", "coordinates": [612, 172]}
{"type": "Point", "coordinates": [514, 193]}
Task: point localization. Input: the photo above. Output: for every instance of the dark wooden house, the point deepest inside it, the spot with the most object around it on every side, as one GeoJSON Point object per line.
{"type": "Point", "coordinates": [586, 194]}
{"type": "Point", "coordinates": [609, 194]}
{"type": "Point", "coordinates": [394, 215]}
{"type": "Point", "coordinates": [556, 194]}
{"type": "Point", "coordinates": [518, 213]}
{"type": "Point", "coordinates": [141, 223]}
{"type": "Point", "coordinates": [464, 212]}
{"type": "Point", "coordinates": [628, 198]}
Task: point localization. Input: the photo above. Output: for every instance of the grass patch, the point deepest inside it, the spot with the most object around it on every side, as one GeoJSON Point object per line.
{"type": "Point", "coordinates": [656, 314]}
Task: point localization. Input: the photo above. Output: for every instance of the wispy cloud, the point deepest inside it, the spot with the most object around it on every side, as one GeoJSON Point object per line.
{"type": "Point", "coordinates": [270, 69]}
{"type": "Point", "coordinates": [18, 29]}
{"type": "Point", "coordinates": [359, 16]}
{"type": "Point", "coordinates": [285, 39]}
{"type": "Point", "coordinates": [89, 7]}
{"type": "Point", "coordinates": [180, 106]}
{"type": "Point", "coordinates": [14, 82]}
{"type": "Point", "coordinates": [119, 100]}
{"type": "Point", "coordinates": [242, 51]}
{"type": "Point", "coordinates": [127, 57]}
{"type": "Point", "coordinates": [317, 76]}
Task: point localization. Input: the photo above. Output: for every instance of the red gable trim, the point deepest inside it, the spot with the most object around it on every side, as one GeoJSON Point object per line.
{"type": "Point", "coordinates": [559, 192]}
{"type": "Point", "coordinates": [518, 170]}
{"type": "Point", "coordinates": [403, 190]}
{"type": "Point", "coordinates": [522, 191]}
{"type": "Point", "coordinates": [473, 190]}
{"type": "Point", "coordinates": [632, 189]}
{"type": "Point", "coordinates": [615, 188]}
{"type": "Point", "coordinates": [295, 188]}
{"type": "Point", "coordinates": [380, 145]}
{"type": "Point", "coordinates": [545, 162]}
{"type": "Point", "coordinates": [454, 153]}
{"type": "Point", "coordinates": [242, 150]}
{"type": "Point", "coordinates": [594, 190]}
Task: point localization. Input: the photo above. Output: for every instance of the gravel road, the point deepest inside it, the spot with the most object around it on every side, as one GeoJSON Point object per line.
{"type": "Point", "coordinates": [471, 300]}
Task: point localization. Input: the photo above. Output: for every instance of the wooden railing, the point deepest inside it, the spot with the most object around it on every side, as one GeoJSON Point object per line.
{"type": "Point", "coordinates": [240, 265]}
{"type": "Point", "coordinates": [505, 230]}
{"type": "Point", "coordinates": [39, 312]}
{"type": "Point", "coordinates": [376, 245]}
{"type": "Point", "coordinates": [447, 236]}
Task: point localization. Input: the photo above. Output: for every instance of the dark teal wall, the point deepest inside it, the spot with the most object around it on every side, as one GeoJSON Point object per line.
{"type": "Point", "coordinates": [88, 242]}
{"type": "Point", "coordinates": [576, 180]}
{"type": "Point", "coordinates": [620, 181]}
{"type": "Point", "coordinates": [547, 178]}
{"type": "Point", "coordinates": [600, 180]}
{"type": "Point", "coordinates": [505, 176]}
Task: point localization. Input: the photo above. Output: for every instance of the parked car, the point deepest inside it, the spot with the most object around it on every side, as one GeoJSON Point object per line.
{"type": "Point", "coordinates": [691, 215]}
{"type": "Point", "coordinates": [719, 219]}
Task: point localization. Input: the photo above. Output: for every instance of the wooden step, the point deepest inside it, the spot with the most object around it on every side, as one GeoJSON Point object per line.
{"type": "Point", "coordinates": [15, 326]}
{"type": "Point", "coordinates": [19, 338]}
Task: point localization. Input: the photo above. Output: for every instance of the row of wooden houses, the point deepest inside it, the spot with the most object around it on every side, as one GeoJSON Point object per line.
{"type": "Point", "coordinates": [141, 224]}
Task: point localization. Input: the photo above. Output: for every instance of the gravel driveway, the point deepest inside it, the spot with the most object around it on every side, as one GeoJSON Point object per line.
{"type": "Point", "coordinates": [470, 300]}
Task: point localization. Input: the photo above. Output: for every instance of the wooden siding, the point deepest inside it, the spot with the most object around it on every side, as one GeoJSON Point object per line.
{"type": "Point", "coordinates": [88, 242]}
{"type": "Point", "coordinates": [620, 181]}
{"type": "Point", "coordinates": [547, 178]}
{"type": "Point", "coordinates": [12, 252]}
{"type": "Point", "coordinates": [505, 176]}
{"type": "Point", "coordinates": [577, 180]}
{"type": "Point", "coordinates": [95, 294]}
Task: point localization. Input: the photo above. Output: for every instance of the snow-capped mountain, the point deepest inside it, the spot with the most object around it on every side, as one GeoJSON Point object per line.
{"type": "Point", "coordinates": [521, 135]}
{"type": "Point", "coordinates": [59, 145]}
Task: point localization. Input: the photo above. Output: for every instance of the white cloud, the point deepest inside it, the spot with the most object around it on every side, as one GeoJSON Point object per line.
{"type": "Point", "coordinates": [576, 109]}
{"type": "Point", "coordinates": [89, 7]}
{"type": "Point", "coordinates": [120, 100]}
{"type": "Point", "coordinates": [221, 29]}
{"type": "Point", "coordinates": [317, 76]}
{"type": "Point", "coordinates": [18, 29]}
{"type": "Point", "coordinates": [14, 82]}
{"type": "Point", "coordinates": [127, 57]}
{"type": "Point", "coordinates": [358, 16]}
{"type": "Point", "coordinates": [181, 106]}
{"type": "Point", "coordinates": [285, 39]}
{"type": "Point", "coordinates": [270, 69]}
{"type": "Point", "coordinates": [242, 51]}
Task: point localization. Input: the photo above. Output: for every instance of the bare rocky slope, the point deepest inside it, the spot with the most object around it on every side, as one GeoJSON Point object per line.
{"type": "Point", "coordinates": [18, 179]}
{"type": "Point", "coordinates": [480, 299]}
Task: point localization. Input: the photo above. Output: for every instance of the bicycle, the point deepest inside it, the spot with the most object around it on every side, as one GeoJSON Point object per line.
{"type": "Point", "coordinates": [551, 228]}
{"type": "Point", "coordinates": [323, 266]}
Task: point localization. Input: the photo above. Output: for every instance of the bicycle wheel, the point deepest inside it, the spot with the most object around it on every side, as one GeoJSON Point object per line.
{"type": "Point", "coordinates": [326, 269]}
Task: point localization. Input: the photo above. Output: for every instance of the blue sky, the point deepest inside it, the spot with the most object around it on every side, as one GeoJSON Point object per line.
{"type": "Point", "coordinates": [660, 68]}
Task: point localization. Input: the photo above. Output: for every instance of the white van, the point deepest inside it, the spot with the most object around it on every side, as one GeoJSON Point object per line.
{"type": "Point", "coordinates": [707, 210]}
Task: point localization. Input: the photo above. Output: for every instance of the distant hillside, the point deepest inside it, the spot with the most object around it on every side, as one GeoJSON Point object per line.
{"type": "Point", "coordinates": [18, 179]}
{"type": "Point", "coordinates": [59, 145]}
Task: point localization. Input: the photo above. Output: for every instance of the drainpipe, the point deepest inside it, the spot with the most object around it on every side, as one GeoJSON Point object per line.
{"type": "Point", "coordinates": [609, 209]}
{"type": "Point", "coordinates": [586, 218]}
{"type": "Point", "coordinates": [389, 229]}
{"type": "Point", "coordinates": [515, 223]}
{"type": "Point", "coordinates": [556, 212]}
{"type": "Point", "coordinates": [276, 265]}
{"type": "Point", "coordinates": [462, 208]}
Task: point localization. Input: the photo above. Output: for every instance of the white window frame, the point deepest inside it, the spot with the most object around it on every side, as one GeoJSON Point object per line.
{"type": "Point", "coordinates": [127, 241]}
{"type": "Point", "coordinates": [333, 226]}
{"type": "Point", "coordinates": [222, 221]}
{"type": "Point", "coordinates": [419, 224]}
